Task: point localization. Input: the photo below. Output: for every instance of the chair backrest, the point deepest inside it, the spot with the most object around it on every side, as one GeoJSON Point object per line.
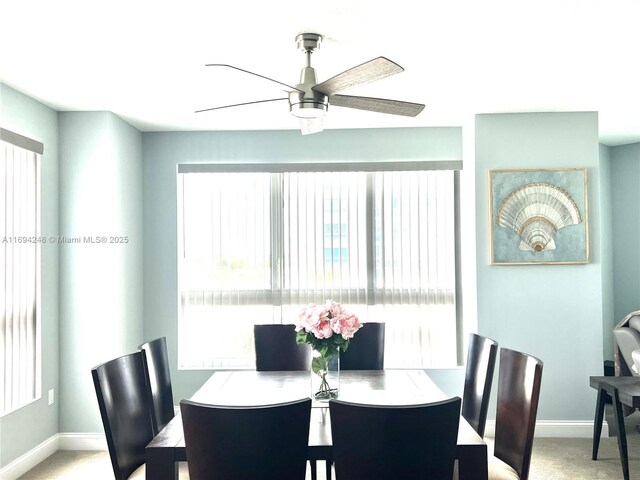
{"type": "Point", "coordinates": [246, 443]}
{"type": "Point", "coordinates": [404, 442]}
{"type": "Point", "coordinates": [481, 362]}
{"type": "Point", "coordinates": [519, 381]}
{"type": "Point", "coordinates": [277, 350]}
{"type": "Point", "coordinates": [160, 381]}
{"type": "Point", "coordinates": [124, 398]}
{"type": "Point", "coordinates": [366, 349]}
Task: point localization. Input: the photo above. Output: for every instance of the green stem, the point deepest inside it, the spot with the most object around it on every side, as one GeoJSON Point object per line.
{"type": "Point", "coordinates": [321, 368]}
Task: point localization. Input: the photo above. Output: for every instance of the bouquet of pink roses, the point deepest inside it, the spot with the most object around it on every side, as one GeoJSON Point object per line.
{"type": "Point", "coordinates": [328, 329]}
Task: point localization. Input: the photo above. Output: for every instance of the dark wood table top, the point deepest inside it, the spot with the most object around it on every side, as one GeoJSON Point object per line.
{"type": "Point", "coordinates": [385, 387]}
{"type": "Point", "coordinates": [377, 387]}
{"type": "Point", "coordinates": [381, 387]}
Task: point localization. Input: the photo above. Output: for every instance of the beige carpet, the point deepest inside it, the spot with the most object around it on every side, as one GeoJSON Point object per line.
{"type": "Point", "coordinates": [553, 459]}
{"type": "Point", "coordinates": [570, 459]}
{"type": "Point", "coordinates": [79, 465]}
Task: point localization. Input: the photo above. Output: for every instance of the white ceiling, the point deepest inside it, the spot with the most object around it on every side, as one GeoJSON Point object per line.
{"type": "Point", "coordinates": [144, 60]}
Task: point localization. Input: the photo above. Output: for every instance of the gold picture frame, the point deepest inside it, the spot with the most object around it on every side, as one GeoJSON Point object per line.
{"type": "Point", "coordinates": [539, 216]}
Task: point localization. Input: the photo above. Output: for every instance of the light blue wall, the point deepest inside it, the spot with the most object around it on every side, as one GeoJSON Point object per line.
{"type": "Point", "coordinates": [100, 284]}
{"type": "Point", "coordinates": [625, 181]}
{"type": "Point", "coordinates": [162, 152]}
{"type": "Point", "coordinates": [22, 430]}
{"type": "Point", "coordinates": [551, 311]}
{"type": "Point", "coordinates": [606, 239]}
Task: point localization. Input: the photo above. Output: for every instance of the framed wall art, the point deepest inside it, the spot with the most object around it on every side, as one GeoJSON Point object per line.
{"type": "Point", "coordinates": [539, 216]}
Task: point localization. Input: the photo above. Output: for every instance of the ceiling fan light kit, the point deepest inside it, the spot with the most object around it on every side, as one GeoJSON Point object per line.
{"type": "Point", "coordinates": [310, 100]}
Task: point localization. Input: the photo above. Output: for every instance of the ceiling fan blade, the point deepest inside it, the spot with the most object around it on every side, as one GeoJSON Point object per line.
{"type": "Point", "coordinates": [375, 69]}
{"type": "Point", "coordinates": [239, 104]}
{"type": "Point", "coordinates": [311, 125]}
{"type": "Point", "coordinates": [382, 105]}
{"type": "Point", "coordinates": [256, 74]}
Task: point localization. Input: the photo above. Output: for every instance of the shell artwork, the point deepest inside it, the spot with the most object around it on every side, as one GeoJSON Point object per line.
{"type": "Point", "coordinates": [536, 211]}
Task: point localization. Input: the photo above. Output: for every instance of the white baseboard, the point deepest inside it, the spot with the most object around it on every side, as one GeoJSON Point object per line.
{"type": "Point", "coordinates": [558, 428]}
{"type": "Point", "coordinates": [97, 441]}
{"type": "Point", "coordinates": [82, 441]}
{"type": "Point", "coordinates": [26, 462]}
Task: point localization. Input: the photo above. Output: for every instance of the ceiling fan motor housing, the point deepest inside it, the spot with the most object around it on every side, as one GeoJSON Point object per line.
{"type": "Point", "coordinates": [310, 104]}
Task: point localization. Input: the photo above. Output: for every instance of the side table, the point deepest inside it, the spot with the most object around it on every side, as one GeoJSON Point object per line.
{"type": "Point", "coordinates": [623, 390]}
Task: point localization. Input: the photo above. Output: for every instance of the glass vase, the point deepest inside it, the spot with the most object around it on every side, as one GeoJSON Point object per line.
{"type": "Point", "coordinates": [325, 377]}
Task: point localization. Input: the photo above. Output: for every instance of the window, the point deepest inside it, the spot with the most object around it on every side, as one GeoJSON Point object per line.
{"type": "Point", "coordinates": [20, 267]}
{"type": "Point", "coordinates": [255, 247]}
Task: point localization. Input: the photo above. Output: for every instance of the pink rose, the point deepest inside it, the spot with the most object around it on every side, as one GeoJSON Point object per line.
{"type": "Point", "coordinates": [323, 321]}
{"type": "Point", "coordinates": [334, 308]}
{"type": "Point", "coordinates": [323, 329]}
{"type": "Point", "coordinates": [304, 319]}
{"type": "Point", "coordinates": [347, 325]}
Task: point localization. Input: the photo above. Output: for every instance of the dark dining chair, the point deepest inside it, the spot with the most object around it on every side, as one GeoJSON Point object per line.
{"type": "Point", "coordinates": [276, 349]}
{"type": "Point", "coordinates": [160, 381]}
{"type": "Point", "coordinates": [481, 362]}
{"type": "Point", "coordinates": [124, 399]}
{"type": "Point", "coordinates": [365, 352]}
{"type": "Point", "coordinates": [246, 443]}
{"type": "Point", "coordinates": [366, 349]}
{"type": "Point", "coordinates": [394, 442]}
{"type": "Point", "coordinates": [519, 379]}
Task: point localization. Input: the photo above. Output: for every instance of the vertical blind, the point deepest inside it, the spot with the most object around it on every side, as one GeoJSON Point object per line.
{"type": "Point", "coordinates": [256, 247]}
{"type": "Point", "coordinates": [225, 274]}
{"type": "Point", "coordinates": [20, 278]}
{"type": "Point", "coordinates": [324, 241]}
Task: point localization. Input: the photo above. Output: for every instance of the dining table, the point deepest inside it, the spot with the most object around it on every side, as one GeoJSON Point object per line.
{"type": "Point", "coordinates": [374, 387]}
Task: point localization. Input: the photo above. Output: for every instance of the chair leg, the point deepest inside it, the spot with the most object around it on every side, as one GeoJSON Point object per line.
{"type": "Point", "coordinates": [328, 467]}
{"type": "Point", "coordinates": [622, 434]}
{"type": "Point", "coordinates": [314, 473]}
{"type": "Point", "coordinates": [597, 424]}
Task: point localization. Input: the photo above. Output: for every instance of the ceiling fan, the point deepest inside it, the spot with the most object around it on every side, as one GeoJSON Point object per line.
{"type": "Point", "coordinates": [310, 100]}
